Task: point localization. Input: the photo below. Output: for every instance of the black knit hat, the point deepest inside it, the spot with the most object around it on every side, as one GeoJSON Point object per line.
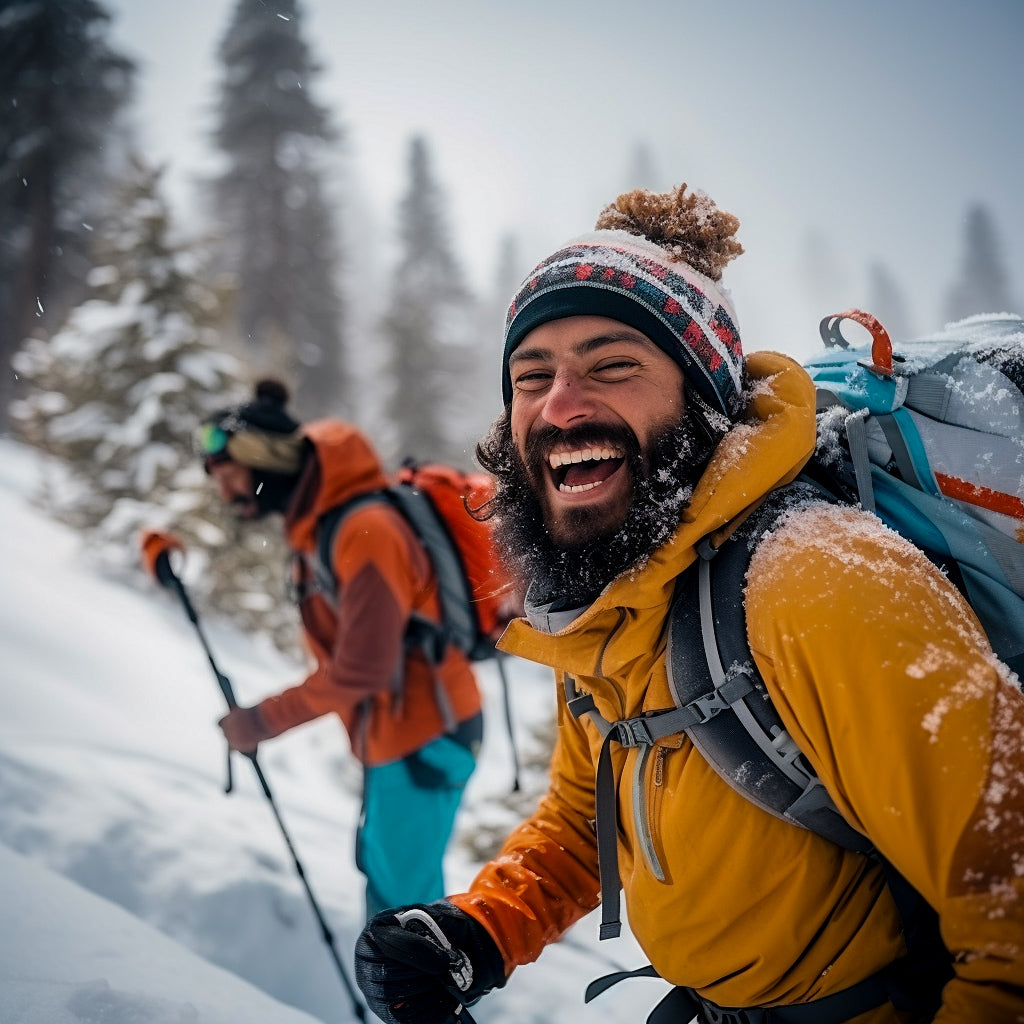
{"type": "Point", "coordinates": [266, 410]}
{"type": "Point", "coordinates": [259, 433]}
{"type": "Point", "coordinates": [654, 262]}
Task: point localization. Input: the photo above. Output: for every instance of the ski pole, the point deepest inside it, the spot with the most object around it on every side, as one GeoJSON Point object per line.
{"type": "Point", "coordinates": [156, 552]}
{"type": "Point", "coordinates": [500, 659]}
{"type": "Point", "coordinates": [459, 966]}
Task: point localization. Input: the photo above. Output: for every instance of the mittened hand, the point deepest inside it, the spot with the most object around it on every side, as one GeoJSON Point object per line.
{"type": "Point", "coordinates": [408, 976]}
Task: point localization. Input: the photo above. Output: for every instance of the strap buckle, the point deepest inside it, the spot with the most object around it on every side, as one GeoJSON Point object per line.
{"type": "Point", "coordinates": [633, 732]}
{"type": "Point", "coordinates": [707, 706]}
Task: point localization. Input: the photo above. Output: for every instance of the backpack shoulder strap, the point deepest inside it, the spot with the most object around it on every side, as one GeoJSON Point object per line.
{"type": "Point", "coordinates": [421, 633]}
{"type": "Point", "coordinates": [326, 533]}
{"type": "Point", "coordinates": [721, 704]}
{"type": "Point", "coordinates": [459, 621]}
{"type": "Point", "coordinates": [744, 739]}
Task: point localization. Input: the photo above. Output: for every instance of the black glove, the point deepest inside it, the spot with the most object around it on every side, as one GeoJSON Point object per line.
{"type": "Point", "coordinates": [408, 976]}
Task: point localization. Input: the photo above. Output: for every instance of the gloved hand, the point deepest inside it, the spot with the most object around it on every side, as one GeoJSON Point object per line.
{"type": "Point", "coordinates": [406, 974]}
{"type": "Point", "coordinates": [243, 729]}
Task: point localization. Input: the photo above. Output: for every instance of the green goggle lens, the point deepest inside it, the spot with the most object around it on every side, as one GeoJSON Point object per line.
{"type": "Point", "coordinates": [212, 439]}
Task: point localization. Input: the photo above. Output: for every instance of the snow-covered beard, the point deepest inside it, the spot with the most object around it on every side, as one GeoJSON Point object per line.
{"type": "Point", "coordinates": [663, 480]}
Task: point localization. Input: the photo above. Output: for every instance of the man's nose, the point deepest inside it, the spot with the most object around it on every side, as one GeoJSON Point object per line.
{"type": "Point", "coordinates": [569, 400]}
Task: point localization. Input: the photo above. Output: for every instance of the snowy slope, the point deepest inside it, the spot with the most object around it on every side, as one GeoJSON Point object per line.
{"type": "Point", "coordinates": [112, 775]}
{"type": "Point", "coordinates": [67, 956]}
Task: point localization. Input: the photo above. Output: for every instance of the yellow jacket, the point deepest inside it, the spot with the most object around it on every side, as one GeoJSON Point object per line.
{"type": "Point", "coordinates": [881, 674]}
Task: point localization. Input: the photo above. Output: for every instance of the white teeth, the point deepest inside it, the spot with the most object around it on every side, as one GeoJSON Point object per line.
{"type": "Point", "coordinates": [580, 487]}
{"type": "Point", "coordinates": [583, 455]}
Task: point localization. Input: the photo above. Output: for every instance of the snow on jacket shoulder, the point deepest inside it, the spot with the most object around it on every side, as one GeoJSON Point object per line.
{"type": "Point", "coordinates": [391, 701]}
{"type": "Point", "coordinates": [918, 734]}
{"type": "Point", "coordinates": [721, 896]}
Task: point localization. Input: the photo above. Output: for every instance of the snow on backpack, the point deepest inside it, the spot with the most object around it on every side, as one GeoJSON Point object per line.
{"type": "Point", "coordinates": [930, 437]}
{"type": "Point", "coordinates": [436, 500]}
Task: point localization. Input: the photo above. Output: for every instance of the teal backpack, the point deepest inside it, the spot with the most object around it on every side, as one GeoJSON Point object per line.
{"type": "Point", "coordinates": [901, 433]}
{"type": "Point", "coordinates": [928, 435]}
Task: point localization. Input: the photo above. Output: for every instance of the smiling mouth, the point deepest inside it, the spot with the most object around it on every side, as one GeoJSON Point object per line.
{"type": "Point", "coordinates": [584, 469]}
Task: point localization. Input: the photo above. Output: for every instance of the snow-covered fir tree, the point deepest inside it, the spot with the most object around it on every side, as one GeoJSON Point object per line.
{"type": "Point", "coordinates": [274, 211]}
{"type": "Point", "coordinates": [116, 396]}
{"type": "Point", "coordinates": [62, 86]}
{"type": "Point", "coordinates": [428, 329]}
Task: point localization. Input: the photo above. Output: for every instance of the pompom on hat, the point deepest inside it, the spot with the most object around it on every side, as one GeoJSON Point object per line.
{"type": "Point", "coordinates": [654, 262]}
{"type": "Point", "coordinates": [259, 433]}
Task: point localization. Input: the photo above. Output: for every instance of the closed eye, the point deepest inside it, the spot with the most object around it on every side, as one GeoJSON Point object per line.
{"type": "Point", "coordinates": [616, 369]}
{"type": "Point", "coordinates": [532, 380]}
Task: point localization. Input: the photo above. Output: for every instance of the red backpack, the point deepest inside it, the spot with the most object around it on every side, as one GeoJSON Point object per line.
{"type": "Point", "coordinates": [439, 502]}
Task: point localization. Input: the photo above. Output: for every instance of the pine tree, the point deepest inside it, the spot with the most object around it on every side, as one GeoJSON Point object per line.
{"type": "Point", "coordinates": [508, 276]}
{"type": "Point", "coordinates": [428, 329]}
{"type": "Point", "coordinates": [280, 240]}
{"type": "Point", "coordinates": [823, 274]}
{"type": "Point", "coordinates": [116, 396]}
{"type": "Point", "coordinates": [983, 285]}
{"type": "Point", "coordinates": [888, 302]}
{"type": "Point", "coordinates": [483, 393]}
{"type": "Point", "coordinates": [642, 172]}
{"type": "Point", "coordinates": [60, 88]}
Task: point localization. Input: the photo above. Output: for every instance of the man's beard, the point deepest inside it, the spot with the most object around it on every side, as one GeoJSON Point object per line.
{"type": "Point", "coordinates": [575, 573]}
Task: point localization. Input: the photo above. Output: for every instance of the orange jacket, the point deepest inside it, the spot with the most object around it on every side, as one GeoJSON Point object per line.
{"type": "Point", "coordinates": [392, 701]}
{"type": "Point", "coordinates": [881, 674]}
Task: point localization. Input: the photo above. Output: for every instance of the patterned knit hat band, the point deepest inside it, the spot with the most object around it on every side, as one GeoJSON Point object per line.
{"type": "Point", "coordinates": [630, 279]}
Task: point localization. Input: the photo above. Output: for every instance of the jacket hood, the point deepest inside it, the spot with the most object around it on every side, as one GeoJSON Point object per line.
{"type": "Point", "coordinates": [345, 464]}
{"type": "Point", "coordinates": [767, 449]}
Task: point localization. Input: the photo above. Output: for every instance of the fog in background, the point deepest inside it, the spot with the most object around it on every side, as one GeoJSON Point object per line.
{"type": "Point", "coordinates": [848, 138]}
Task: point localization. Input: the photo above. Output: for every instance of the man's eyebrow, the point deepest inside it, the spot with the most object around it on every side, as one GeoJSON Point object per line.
{"type": "Point", "coordinates": [581, 348]}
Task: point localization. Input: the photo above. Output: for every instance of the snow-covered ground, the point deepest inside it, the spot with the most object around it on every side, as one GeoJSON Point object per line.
{"type": "Point", "coordinates": [134, 890]}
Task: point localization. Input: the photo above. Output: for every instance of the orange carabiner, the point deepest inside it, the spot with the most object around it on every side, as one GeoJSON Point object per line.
{"type": "Point", "coordinates": [881, 343]}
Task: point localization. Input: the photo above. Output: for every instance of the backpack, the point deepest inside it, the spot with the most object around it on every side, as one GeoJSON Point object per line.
{"type": "Point", "coordinates": [931, 439]}
{"type": "Point", "coordinates": [436, 500]}
{"type": "Point", "coordinates": [473, 587]}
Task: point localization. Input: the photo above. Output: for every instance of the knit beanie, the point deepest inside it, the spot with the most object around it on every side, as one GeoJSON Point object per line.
{"type": "Point", "coordinates": [259, 434]}
{"type": "Point", "coordinates": [654, 262]}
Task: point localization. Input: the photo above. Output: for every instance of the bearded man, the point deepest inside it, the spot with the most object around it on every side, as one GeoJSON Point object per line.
{"type": "Point", "coordinates": [636, 435]}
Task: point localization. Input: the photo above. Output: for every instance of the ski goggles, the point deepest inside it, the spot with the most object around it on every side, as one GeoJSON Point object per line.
{"type": "Point", "coordinates": [212, 442]}
{"type": "Point", "coordinates": [258, 449]}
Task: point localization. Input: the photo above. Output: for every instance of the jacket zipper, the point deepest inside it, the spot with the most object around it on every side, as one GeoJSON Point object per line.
{"type": "Point", "coordinates": [642, 808]}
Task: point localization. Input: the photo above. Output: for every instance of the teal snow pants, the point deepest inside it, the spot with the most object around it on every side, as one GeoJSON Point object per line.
{"type": "Point", "coordinates": [409, 809]}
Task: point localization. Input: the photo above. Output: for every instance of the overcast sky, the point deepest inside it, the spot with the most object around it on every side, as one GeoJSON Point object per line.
{"type": "Point", "coordinates": [871, 126]}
